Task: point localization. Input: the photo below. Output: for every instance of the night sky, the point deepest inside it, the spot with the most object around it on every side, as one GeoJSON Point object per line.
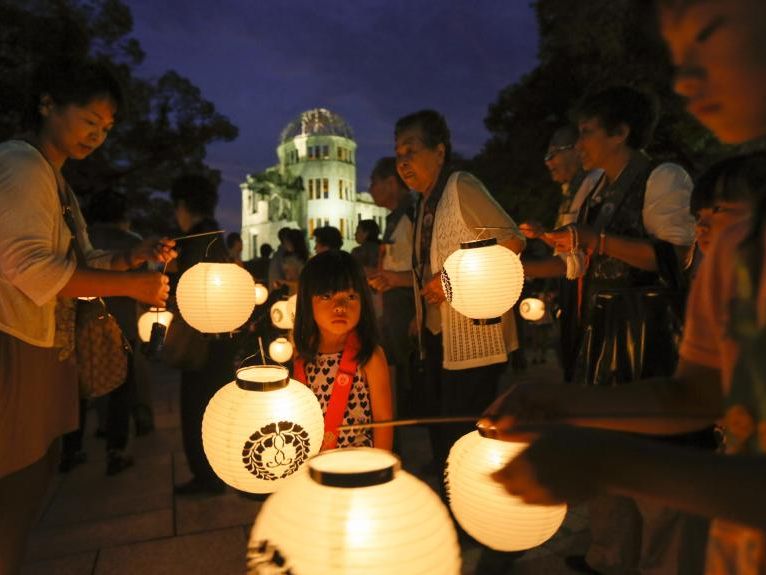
{"type": "Point", "coordinates": [263, 62]}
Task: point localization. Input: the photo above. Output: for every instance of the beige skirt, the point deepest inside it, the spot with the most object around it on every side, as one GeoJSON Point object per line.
{"type": "Point", "coordinates": [39, 401]}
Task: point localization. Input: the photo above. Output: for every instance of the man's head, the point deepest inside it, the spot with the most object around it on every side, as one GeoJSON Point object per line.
{"type": "Point", "coordinates": [327, 238]}
{"type": "Point", "coordinates": [386, 185]}
{"type": "Point", "coordinates": [422, 148]}
{"type": "Point", "coordinates": [719, 50]}
{"type": "Point", "coordinates": [613, 121]}
{"type": "Point", "coordinates": [194, 197]}
{"type": "Point", "coordinates": [561, 159]}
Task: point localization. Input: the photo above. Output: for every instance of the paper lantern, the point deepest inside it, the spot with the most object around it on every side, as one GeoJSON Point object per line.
{"type": "Point", "coordinates": [215, 297]}
{"type": "Point", "coordinates": [261, 294]}
{"type": "Point", "coordinates": [281, 350]}
{"type": "Point", "coordinates": [482, 280]}
{"type": "Point", "coordinates": [149, 318]}
{"type": "Point", "coordinates": [532, 309]}
{"type": "Point", "coordinates": [260, 429]}
{"type": "Point", "coordinates": [483, 508]}
{"type": "Point", "coordinates": [353, 511]}
{"type": "Point", "coordinates": [283, 313]}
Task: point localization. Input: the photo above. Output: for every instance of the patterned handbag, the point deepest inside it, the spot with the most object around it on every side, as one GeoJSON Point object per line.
{"type": "Point", "coordinates": [102, 350]}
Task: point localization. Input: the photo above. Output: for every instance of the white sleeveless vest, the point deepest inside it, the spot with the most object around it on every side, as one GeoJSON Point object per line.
{"type": "Point", "coordinates": [465, 344]}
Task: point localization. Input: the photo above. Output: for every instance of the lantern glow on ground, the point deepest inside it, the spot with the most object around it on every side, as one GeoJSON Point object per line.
{"type": "Point", "coordinates": [482, 280]}
{"type": "Point", "coordinates": [532, 309]}
{"type": "Point", "coordinates": [216, 297]}
{"type": "Point", "coordinates": [483, 508]}
{"type": "Point", "coordinates": [149, 318]}
{"type": "Point", "coordinates": [259, 430]}
{"type": "Point", "coordinates": [354, 511]}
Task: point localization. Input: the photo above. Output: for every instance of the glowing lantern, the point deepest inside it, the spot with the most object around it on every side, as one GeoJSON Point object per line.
{"type": "Point", "coordinates": [483, 508]}
{"type": "Point", "coordinates": [261, 294]}
{"type": "Point", "coordinates": [280, 350]}
{"type": "Point", "coordinates": [532, 309]}
{"type": "Point", "coordinates": [354, 511]}
{"type": "Point", "coordinates": [259, 430]}
{"type": "Point", "coordinates": [149, 318]}
{"type": "Point", "coordinates": [215, 297]}
{"type": "Point", "coordinates": [482, 280]}
{"type": "Point", "coordinates": [283, 313]}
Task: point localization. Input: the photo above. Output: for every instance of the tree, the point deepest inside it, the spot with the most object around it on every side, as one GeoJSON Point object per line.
{"type": "Point", "coordinates": [584, 46]}
{"type": "Point", "coordinates": [167, 124]}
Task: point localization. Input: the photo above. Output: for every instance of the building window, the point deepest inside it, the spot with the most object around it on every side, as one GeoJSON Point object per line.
{"type": "Point", "coordinates": [254, 245]}
{"type": "Point", "coordinates": [325, 188]}
{"type": "Point", "coordinates": [325, 152]}
{"type": "Point", "coordinates": [253, 203]}
{"type": "Point", "coordinates": [342, 228]}
{"type": "Point", "coordinates": [311, 189]}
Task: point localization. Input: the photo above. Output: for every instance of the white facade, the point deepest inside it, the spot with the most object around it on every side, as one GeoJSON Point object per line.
{"type": "Point", "coordinates": [318, 147]}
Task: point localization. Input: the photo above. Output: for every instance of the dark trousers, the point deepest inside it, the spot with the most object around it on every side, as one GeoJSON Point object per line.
{"type": "Point", "coordinates": [197, 389]}
{"type": "Point", "coordinates": [446, 393]}
{"type": "Point", "coordinates": [117, 417]}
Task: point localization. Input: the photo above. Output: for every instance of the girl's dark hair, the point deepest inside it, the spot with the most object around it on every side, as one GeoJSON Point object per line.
{"type": "Point", "coordinates": [737, 179]}
{"type": "Point", "coordinates": [371, 229]}
{"type": "Point", "coordinates": [70, 81]}
{"type": "Point", "coordinates": [328, 273]}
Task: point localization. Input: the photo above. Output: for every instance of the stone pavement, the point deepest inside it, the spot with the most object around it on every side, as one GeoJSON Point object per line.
{"type": "Point", "coordinates": [132, 523]}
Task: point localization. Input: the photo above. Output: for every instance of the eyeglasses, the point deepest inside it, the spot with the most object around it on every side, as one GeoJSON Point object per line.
{"type": "Point", "coordinates": [554, 151]}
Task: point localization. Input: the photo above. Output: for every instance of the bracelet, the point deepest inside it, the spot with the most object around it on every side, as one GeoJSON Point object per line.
{"type": "Point", "coordinates": [602, 243]}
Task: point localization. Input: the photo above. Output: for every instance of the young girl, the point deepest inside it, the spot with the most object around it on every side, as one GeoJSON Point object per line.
{"type": "Point", "coordinates": [338, 355]}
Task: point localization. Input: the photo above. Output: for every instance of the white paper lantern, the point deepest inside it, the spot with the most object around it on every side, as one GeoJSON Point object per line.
{"type": "Point", "coordinates": [283, 314]}
{"type": "Point", "coordinates": [280, 350]}
{"type": "Point", "coordinates": [215, 297]}
{"type": "Point", "coordinates": [483, 508]}
{"type": "Point", "coordinates": [532, 309]}
{"type": "Point", "coordinates": [149, 318]}
{"type": "Point", "coordinates": [259, 430]}
{"type": "Point", "coordinates": [261, 294]}
{"type": "Point", "coordinates": [353, 511]}
{"type": "Point", "coordinates": [482, 280]}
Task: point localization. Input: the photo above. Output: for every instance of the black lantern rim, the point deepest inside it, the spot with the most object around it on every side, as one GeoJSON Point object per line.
{"type": "Point", "coordinates": [353, 479]}
{"type": "Point", "coordinates": [478, 244]}
{"type": "Point", "coordinates": [271, 385]}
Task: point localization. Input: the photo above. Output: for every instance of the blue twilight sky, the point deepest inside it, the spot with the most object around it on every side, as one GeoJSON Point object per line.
{"type": "Point", "coordinates": [263, 62]}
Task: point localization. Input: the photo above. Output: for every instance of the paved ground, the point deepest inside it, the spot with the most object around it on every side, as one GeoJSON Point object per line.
{"type": "Point", "coordinates": [133, 524]}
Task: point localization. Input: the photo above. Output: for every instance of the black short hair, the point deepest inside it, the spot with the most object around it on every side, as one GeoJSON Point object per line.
{"type": "Point", "coordinates": [434, 128]}
{"type": "Point", "coordinates": [198, 193]}
{"type": "Point", "coordinates": [233, 238]}
{"type": "Point", "coordinates": [622, 105]}
{"type": "Point", "coordinates": [297, 238]}
{"type": "Point", "coordinates": [71, 81]}
{"type": "Point", "coordinates": [385, 168]}
{"type": "Point", "coordinates": [329, 236]}
{"type": "Point", "coordinates": [370, 228]}
{"type": "Point", "coordinates": [266, 250]}
{"type": "Point", "coordinates": [107, 207]}
{"type": "Point", "coordinates": [327, 273]}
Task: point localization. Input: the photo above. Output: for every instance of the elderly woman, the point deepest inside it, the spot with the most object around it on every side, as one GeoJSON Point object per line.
{"type": "Point", "coordinates": [71, 110]}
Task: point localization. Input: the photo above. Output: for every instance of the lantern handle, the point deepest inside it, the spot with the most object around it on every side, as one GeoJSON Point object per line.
{"type": "Point", "coordinates": [181, 238]}
{"type": "Point", "coordinates": [263, 356]}
{"type": "Point", "coordinates": [483, 229]}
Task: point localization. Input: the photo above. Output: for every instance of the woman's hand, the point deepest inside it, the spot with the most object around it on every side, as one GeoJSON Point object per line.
{"type": "Point", "coordinates": [153, 250]}
{"type": "Point", "coordinates": [149, 287]}
{"type": "Point", "coordinates": [433, 291]}
{"type": "Point", "coordinates": [531, 229]}
{"type": "Point", "coordinates": [521, 405]}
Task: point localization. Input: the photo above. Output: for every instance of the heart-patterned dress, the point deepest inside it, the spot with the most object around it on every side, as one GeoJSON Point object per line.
{"type": "Point", "coordinates": [320, 376]}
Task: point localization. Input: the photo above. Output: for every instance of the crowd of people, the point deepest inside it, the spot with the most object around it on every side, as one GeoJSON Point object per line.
{"type": "Point", "coordinates": [657, 278]}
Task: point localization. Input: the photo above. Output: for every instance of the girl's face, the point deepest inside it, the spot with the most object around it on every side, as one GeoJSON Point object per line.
{"type": "Point", "coordinates": [337, 313]}
{"type": "Point", "coordinates": [726, 214]}
{"type": "Point", "coordinates": [74, 132]}
{"type": "Point", "coordinates": [703, 229]}
{"type": "Point", "coordinates": [719, 49]}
